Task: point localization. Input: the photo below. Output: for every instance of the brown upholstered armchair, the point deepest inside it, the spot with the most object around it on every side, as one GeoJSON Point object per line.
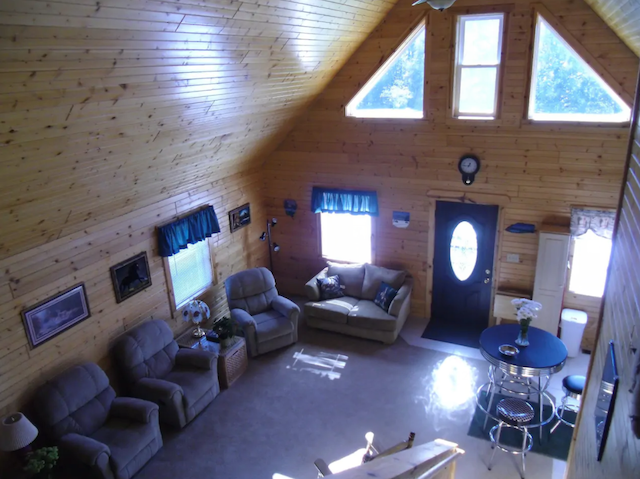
{"type": "Point", "coordinates": [112, 436]}
{"type": "Point", "coordinates": [182, 382]}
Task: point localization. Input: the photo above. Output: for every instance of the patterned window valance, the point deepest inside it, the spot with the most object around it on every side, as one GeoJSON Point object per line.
{"type": "Point", "coordinates": [598, 221]}
{"type": "Point", "coordinates": [188, 230]}
{"type": "Point", "coordinates": [327, 200]}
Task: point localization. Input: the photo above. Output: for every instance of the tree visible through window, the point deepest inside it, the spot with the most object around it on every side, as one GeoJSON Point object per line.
{"type": "Point", "coordinates": [565, 88]}
{"type": "Point", "coordinates": [397, 88]}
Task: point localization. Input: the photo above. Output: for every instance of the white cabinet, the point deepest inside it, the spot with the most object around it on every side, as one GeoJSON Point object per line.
{"type": "Point", "coordinates": [551, 274]}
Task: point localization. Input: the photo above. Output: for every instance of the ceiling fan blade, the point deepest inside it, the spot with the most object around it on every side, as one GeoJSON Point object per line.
{"type": "Point", "coordinates": [419, 2]}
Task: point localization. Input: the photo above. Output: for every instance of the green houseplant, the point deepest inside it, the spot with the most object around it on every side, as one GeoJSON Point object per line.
{"type": "Point", "coordinates": [225, 328]}
{"type": "Point", "coordinates": [41, 462]}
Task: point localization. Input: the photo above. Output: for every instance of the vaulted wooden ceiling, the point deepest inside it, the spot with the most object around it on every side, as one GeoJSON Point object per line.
{"type": "Point", "coordinates": [623, 16]}
{"type": "Point", "coordinates": [107, 106]}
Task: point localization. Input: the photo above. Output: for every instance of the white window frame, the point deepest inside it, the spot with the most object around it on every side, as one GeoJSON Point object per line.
{"type": "Point", "coordinates": [343, 260]}
{"type": "Point", "coordinates": [351, 110]}
{"type": "Point", "coordinates": [170, 276]}
{"type": "Point", "coordinates": [459, 66]}
{"type": "Point", "coordinates": [622, 118]}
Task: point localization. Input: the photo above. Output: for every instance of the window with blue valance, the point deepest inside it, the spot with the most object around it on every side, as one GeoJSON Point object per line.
{"type": "Point", "coordinates": [329, 200]}
{"type": "Point", "coordinates": [188, 230]}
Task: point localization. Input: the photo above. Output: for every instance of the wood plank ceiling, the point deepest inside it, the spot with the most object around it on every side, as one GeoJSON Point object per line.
{"type": "Point", "coordinates": [113, 105]}
{"type": "Point", "coordinates": [623, 16]}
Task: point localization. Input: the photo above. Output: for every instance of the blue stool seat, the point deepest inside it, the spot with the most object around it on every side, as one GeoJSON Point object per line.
{"type": "Point", "coordinates": [574, 384]}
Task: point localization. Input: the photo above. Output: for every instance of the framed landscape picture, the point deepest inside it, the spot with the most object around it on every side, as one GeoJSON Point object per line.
{"type": "Point", "coordinates": [240, 217]}
{"type": "Point", "coordinates": [131, 276]}
{"type": "Point", "coordinates": [55, 315]}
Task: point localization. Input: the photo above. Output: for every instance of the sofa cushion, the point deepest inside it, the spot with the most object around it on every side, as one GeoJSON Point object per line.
{"type": "Point", "coordinates": [351, 276]}
{"type": "Point", "coordinates": [330, 287]}
{"type": "Point", "coordinates": [334, 310]}
{"type": "Point", "coordinates": [374, 275]}
{"type": "Point", "coordinates": [384, 296]}
{"type": "Point", "coordinates": [367, 315]}
{"type": "Point", "coordinates": [271, 324]}
{"type": "Point", "coordinates": [192, 381]}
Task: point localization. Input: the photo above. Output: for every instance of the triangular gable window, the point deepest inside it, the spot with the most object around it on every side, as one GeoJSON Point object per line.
{"type": "Point", "coordinates": [397, 88]}
{"type": "Point", "coordinates": [565, 88]}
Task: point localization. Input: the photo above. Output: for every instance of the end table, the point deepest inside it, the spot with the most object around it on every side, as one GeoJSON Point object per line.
{"type": "Point", "coordinates": [232, 360]}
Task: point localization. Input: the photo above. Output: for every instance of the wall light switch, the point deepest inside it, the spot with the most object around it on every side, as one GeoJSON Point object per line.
{"type": "Point", "coordinates": [513, 258]}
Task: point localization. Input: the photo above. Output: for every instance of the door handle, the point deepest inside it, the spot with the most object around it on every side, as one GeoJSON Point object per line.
{"type": "Point", "coordinates": [486, 280]}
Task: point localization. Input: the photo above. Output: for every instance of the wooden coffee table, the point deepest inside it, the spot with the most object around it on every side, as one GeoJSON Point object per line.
{"type": "Point", "coordinates": [232, 360]}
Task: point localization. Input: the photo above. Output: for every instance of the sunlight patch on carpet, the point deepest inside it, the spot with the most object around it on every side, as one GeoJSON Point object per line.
{"type": "Point", "coordinates": [322, 364]}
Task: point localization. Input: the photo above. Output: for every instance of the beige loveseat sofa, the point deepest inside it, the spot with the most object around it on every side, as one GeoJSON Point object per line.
{"type": "Point", "coordinates": [356, 313]}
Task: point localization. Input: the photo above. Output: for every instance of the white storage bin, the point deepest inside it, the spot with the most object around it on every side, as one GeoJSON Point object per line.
{"type": "Point", "coordinates": [573, 323]}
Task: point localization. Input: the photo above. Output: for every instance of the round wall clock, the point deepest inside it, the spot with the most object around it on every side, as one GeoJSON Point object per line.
{"type": "Point", "coordinates": [468, 166]}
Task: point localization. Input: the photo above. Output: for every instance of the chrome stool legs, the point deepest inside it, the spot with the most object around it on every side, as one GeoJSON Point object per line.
{"type": "Point", "coordinates": [573, 387]}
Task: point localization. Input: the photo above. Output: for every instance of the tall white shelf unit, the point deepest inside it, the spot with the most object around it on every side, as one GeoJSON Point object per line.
{"type": "Point", "coordinates": [551, 275]}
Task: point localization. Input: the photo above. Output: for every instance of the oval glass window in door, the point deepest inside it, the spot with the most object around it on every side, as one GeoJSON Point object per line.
{"type": "Point", "coordinates": [464, 250]}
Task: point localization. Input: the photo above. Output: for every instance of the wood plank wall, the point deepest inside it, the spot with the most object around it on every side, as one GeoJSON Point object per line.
{"type": "Point", "coordinates": [620, 323]}
{"type": "Point", "coordinates": [535, 172]}
{"type": "Point", "coordinates": [117, 116]}
{"type": "Point", "coordinates": [623, 17]}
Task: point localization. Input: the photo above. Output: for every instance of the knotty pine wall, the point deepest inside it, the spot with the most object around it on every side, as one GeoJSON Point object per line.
{"type": "Point", "coordinates": [622, 17]}
{"type": "Point", "coordinates": [535, 172]}
{"type": "Point", "coordinates": [119, 115]}
{"type": "Point", "coordinates": [620, 323]}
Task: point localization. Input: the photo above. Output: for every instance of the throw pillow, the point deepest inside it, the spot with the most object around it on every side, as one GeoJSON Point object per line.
{"type": "Point", "coordinates": [330, 287]}
{"type": "Point", "coordinates": [384, 296]}
{"type": "Point", "coordinates": [375, 275]}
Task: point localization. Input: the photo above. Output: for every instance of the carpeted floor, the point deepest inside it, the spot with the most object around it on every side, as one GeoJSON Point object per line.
{"type": "Point", "coordinates": [318, 398]}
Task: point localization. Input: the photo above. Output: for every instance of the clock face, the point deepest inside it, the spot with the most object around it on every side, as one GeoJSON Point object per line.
{"type": "Point", "coordinates": [469, 165]}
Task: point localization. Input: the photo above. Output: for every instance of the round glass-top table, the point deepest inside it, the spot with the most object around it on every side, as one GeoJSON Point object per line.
{"type": "Point", "coordinates": [545, 356]}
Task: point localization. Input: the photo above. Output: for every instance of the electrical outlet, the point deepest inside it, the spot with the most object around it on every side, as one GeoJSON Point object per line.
{"type": "Point", "coordinates": [513, 258]}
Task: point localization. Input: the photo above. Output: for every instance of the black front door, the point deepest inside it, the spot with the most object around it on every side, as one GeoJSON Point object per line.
{"type": "Point", "coordinates": [465, 239]}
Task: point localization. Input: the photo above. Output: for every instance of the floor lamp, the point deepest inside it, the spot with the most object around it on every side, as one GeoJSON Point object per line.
{"type": "Point", "coordinates": [266, 235]}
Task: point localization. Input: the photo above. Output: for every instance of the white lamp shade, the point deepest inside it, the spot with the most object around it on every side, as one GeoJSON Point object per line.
{"type": "Point", "coordinates": [196, 311]}
{"type": "Point", "coordinates": [16, 432]}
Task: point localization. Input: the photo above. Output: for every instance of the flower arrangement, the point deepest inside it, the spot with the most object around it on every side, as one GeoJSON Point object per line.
{"type": "Point", "coordinates": [196, 311]}
{"type": "Point", "coordinates": [225, 328]}
{"type": "Point", "coordinates": [42, 461]}
{"type": "Point", "coordinates": [526, 311]}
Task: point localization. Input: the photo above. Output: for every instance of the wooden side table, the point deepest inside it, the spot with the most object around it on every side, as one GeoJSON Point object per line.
{"type": "Point", "coordinates": [232, 360]}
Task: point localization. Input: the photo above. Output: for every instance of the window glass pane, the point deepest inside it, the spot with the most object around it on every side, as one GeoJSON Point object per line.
{"type": "Point", "coordinates": [463, 250]}
{"type": "Point", "coordinates": [478, 90]}
{"type": "Point", "coordinates": [565, 88]}
{"type": "Point", "coordinates": [397, 89]}
{"type": "Point", "coordinates": [481, 41]}
{"type": "Point", "coordinates": [589, 266]}
{"type": "Point", "coordinates": [346, 237]}
{"type": "Point", "coordinates": [190, 271]}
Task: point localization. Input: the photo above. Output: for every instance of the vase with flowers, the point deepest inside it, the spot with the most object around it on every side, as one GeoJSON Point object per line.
{"type": "Point", "coordinates": [196, 311]}
{"type": "Point", "coordinates": [526, 311]}
{"type": "Point", "coordinates": [225, 328]}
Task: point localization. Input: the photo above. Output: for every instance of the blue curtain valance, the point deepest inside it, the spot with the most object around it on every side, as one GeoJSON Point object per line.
{"type": "Point", "coordinates": [328, 200]}
{"type": "Point", "coordinates": [188, 230]}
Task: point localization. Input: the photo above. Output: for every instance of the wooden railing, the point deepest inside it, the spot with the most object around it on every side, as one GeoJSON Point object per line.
{"type": "Point", "coordinates": [433, 460]}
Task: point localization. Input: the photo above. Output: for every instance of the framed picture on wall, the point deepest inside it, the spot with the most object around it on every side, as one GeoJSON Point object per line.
{"type": "Point", "coordinates": [55, 315]}
{"type": "Point", "coordinates": [131, 276]}
{"type": "Point", "coordinates": [240, 217]}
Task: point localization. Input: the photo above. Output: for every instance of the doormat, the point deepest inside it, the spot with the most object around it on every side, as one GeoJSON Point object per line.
{"type": "Point", "coordinates": [554, 445]}
{"type": "Point", "coordinates": [440, 331]}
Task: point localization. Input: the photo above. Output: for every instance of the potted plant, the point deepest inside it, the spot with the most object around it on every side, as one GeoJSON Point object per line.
{"type": "Point", "coordinates": [225, 328]}
{"type": "Point", "coordinates": [41, 462]}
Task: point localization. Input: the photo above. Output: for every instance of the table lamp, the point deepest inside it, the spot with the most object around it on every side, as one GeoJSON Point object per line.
{"type": "Point", "coordinates": [16, 433]}
{"type": "Point", "coordinates": [196, 311]}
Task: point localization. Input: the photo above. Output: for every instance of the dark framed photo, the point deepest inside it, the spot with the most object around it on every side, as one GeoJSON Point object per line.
{"type": "Point", "coordinates": [240, 217]}
{"type": "Point", "coordinates": [131, 276]}
{"type": "Point", "coordinates": [55, 315]}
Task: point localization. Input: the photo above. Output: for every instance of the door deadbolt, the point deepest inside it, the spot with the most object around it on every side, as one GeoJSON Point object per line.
{"type": "Point", "coordinates": [487, 271]}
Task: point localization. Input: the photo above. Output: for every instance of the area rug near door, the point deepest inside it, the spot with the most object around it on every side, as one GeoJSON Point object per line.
{"type": "Point", "coordinates": [554, 445]}
{"type": "Point", "coordinates": [442, 331]}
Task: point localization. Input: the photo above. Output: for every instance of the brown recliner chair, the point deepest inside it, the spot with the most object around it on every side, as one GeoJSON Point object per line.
{"type": "Point", "coordinates": [112, 436]}
{"type": "Point", "coordinates": [182, 382]}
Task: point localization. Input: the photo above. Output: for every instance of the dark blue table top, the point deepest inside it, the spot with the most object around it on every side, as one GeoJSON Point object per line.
{"type": "Point", "coordinates": [544, 350]}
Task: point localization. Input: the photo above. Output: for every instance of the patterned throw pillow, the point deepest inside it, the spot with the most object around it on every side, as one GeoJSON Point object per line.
{"type": "Point", "coordinates": [330, 287]}
{"type": "Point", "coordinates": [385, 295]}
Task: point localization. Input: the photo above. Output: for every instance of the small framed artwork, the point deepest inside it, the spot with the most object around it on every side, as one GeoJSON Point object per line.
{"type": "Point", "coordinates": [131, 276]}
{"type": "Point", "coordinates": [55, 315]}
{"type": "Point", "coordinates": [240, 217]}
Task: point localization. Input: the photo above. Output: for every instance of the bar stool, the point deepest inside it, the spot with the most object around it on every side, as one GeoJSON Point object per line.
{"type": "Point", "coordinates": [573, 386]}
{"type": "Point", "coordinates": [513, 413]}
